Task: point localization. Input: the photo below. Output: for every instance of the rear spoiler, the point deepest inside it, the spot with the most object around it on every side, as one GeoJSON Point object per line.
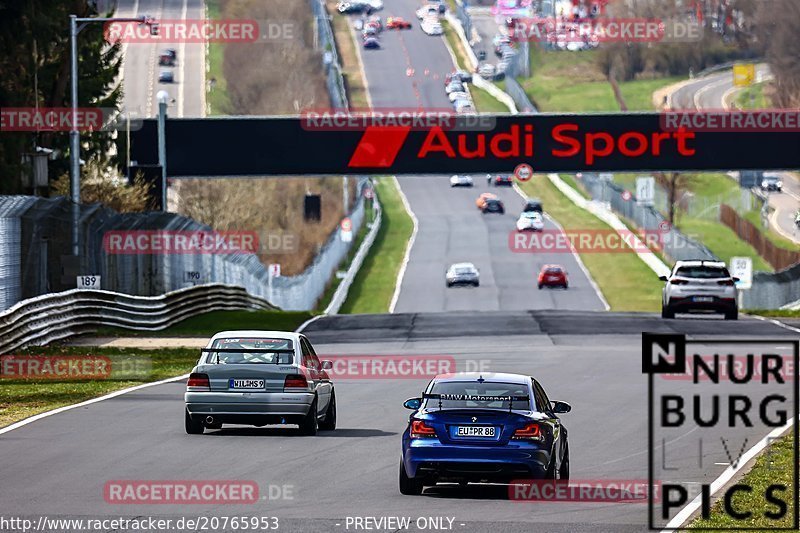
{"type": "Point", "coordinates": [252, 350]}
{"type": "Point", "coordinates": [477, 398]}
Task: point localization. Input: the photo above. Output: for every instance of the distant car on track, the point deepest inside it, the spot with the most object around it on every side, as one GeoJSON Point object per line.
{"type": "Point", "coordinates": [493, 205]}
{"type": "Point", "coordinates": [531, 221]}
{"type": "Point", "coordinates": [397, 23]}
{"type": "Point", "coordinates": [462, 274]}
{"type": "Point", "coordinates": [353, 7]}
{"type": "Point", "coordinates": [431, 27]}
{"type": "Point", "coordinates": [259, 378]}
{"type": "Point", "coordinates": [553, 276]}
{"type": "Point", "coordinates": [458, 95]}
{"type": "Point", "coordinates": [460, 75]}
{"type": "Point", "coordinates": [427, 11]}
{"type": "Point", "coordinates": [771, 182]}
{"type": "Point", "coordinates": [166, 76]}
{"type": "Point", "coordinates": [371, 43]}
{"type": "Point", "coordinates": [483, 198]}
{"type": "Point", "coordinates": [461, 181]}
{"type": "Point", "coordinates": [468, 427]}
{"type": "Point", "coordinates": [532, 204]}
{"type": "Point", "coordinates": [499, 180]}
{"type": "Point", "coordinates": [699, 286]}
{"type": "Point", "coordinates": [454, 86]}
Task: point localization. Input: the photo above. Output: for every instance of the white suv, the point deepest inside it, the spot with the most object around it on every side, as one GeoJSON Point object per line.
{"type": "Point", "coordinates": [699, 286]}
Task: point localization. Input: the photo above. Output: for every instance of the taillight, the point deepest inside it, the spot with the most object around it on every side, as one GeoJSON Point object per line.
{"type": "Point", "coordinates": [421, 429]}
{"type": "Point", "coordinates": [726, 282]}
{"type": "Point", "coordinates": [198, 380]}
{"type": "Point", "coordinates": [529, 432]}
{"type": "Point", "coordinates": [295, 381]}
{"type": "Point", "coordinates": [679, 281]}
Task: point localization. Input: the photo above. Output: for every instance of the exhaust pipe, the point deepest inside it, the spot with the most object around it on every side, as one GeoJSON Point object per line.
{"type": "Point", "coordinates": [209, 420]}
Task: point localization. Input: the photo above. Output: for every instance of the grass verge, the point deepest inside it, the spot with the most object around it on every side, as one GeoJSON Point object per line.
{"type": "Point", "coordinates": [22, 398]}
{"type": "Point", "coordinates": [773, 467]}
{"type": "Point", "coordinates": [373, 287]}
{"type": "Point", "coordinates": [208, 324]}
{"type": "Point", "coordinates": [217, 98]}
{"type": "Point", "coordinates": [571, 82]}
{"type": "Point", "coordinates": [348, 57]}
{"type": "Point", "coordinates": [626, 282]}
{"type": "Point", "coordinates": [326, 297]}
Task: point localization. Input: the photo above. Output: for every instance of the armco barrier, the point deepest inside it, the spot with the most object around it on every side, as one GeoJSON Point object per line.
{"type": "Point", "coordinates": [44, 319]}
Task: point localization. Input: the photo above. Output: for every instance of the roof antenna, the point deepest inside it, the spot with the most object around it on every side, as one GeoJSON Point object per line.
{"type": "Point", "coordinates": [480, 379]}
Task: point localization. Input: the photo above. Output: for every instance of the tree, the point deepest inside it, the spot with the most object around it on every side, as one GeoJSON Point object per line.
{"type": "Point", "coordinates": [778, 27]}
{"type": "Point", "coordinates": [100, 183]}
{"type": "Point", "coordinates": [35, 60]}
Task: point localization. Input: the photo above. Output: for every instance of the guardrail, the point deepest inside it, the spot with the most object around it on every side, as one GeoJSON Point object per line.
{"type": "Point", "coordinates": [52, 317]}
{"type": "Point", "coordinates": [342, 290]}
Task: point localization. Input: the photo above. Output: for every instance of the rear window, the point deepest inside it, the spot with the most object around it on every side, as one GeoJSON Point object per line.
{"type": "Point", "coordinates": [464, 270]}
{"type": "Point", "coordinates": [554, 270]}
{"type": "Point", "coordinates": [470, 394]}
{"type": "Point", "coordinates": [253, 350]}
{"type": "Point", "coordinates": [702, 272]}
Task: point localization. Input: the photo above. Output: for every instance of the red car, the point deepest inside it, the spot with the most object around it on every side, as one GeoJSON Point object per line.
{"type": "Point", "coordinates": [397, 23]}
{"type": "Point", "coordinates": [553, 276]}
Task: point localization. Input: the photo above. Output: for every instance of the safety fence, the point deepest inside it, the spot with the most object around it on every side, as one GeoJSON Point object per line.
{"type": "Point", "coordinates": [38, 259]}
{"type": "Point", "coordinates": [779, 258]}
{"type": "Point", "coordinates": [330, 58]}
{"type": "Point", "coordinates": [675, 244]}
{"type": "Point", "coordinates": [773, 290]}
{"type": "Point", "coordinates": [45, 319]}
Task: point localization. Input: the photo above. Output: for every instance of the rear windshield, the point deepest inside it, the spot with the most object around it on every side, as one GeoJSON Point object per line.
{"type": "Point", "coordinates": [553, 270]}
{"type": "Point", "coordinates": [464, 270]}
{"type": "Point", "coordinates": [467, 395]}
{"type": "Point", "coordinates": [253, 350]}
{"type": "Point", "coordinates": [702, 272]}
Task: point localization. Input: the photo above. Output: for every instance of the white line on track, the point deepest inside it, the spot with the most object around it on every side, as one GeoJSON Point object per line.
{"type": "Point", "coordinates": [574, 254]}
{"type": "Point", "coordinates": [108, 396]}
{"type": "Point", "coordinates": [404, 264]}
{"type": "Point", "coordinates": [114, 394]}
{"type": "Point", "coordinates": [725, 477]}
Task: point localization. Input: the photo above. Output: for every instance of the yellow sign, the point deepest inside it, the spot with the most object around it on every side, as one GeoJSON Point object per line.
{"type": "Point", "coordinates": [744, 74]}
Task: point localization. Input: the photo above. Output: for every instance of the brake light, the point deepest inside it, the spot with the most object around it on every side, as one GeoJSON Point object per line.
{"type": "Point", "coordinates": [198, 380]}
{"type": "Point", "coordinates": [529, 432]}
{"type": "Point", "coordinates": [421, 429]}
{"type": "Point", "coordinates": [295, 381]}
{"type": "Point", "coordinates": [679, 281]}
{"type": "Point", "coordinates": [726, 282]}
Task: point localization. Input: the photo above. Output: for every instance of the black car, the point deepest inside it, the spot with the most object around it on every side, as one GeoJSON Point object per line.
{"type": "Point", "coordinates": [493, 205]}
{"type": "Point", "coordinates": [533, 204]}
{"type": "Point", "coordinates": [353, 7]}
{"type": "Point", "coordinates": [501, 179]}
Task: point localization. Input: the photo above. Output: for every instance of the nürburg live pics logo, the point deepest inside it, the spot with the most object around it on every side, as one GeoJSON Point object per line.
{"type": "Point", "coordinates": [714, 407]}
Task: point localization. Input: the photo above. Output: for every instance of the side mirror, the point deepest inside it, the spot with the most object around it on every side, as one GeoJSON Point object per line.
{"type": "Point", "coordinates": [662, 278]}
{"type": "Point", "coordinates": [736, 280]}
{"type": "Point", "coordinates": [413, 403]}
{"type": "Point", "coordinates": [560, 407]}
{"type": "Point", "coordinates": [326, 365]}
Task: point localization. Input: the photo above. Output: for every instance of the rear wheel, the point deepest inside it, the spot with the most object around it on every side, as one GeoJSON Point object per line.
{"type": "Point", "coordinates": [409, 486]}
{"type": "Point", "coordinates": [540, 286]}
{"type": "Point", "coordinates": [666, 312]}
{"type": "Point", "coordinates": [193, 427]}
{"type": "Point", "coordinates": [329, 422]}
{"type": "Point", "coordinates": [733, 314]}
{"type": "Point", "coordinates": [563, 472]}
{"type": "Point", "coordinates": [308, 426]}
{"type": "Point", "coordinates": [566, 285]}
